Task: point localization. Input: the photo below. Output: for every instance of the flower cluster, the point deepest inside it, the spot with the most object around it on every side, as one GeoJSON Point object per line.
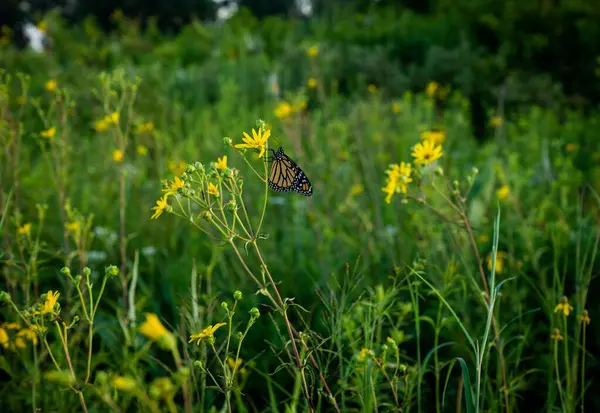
{"type": "Point", "coordinates": [398, 178]}
{"type": "Point", "coordinates": [106, 122]}
{"type": "Point", "coordinates": [424, 153]}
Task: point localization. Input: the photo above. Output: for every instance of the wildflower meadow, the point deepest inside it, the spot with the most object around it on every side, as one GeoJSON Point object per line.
{"type": "Point", "coordinates": [159, 254]}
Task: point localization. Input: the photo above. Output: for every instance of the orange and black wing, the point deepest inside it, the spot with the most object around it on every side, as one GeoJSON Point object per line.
{"type": "Point", "coordinates": [285, 176]}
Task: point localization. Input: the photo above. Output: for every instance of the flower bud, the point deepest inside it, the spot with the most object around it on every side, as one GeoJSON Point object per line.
{"type": "Point", "coordinates": [101, 377]}
{"type": "Point", "coordinates": [254, 313]}
{"type": "Point", "coordinates": [78, 279]}
{"type": "Point", "coordinates": [65, 271]}
{"type": "Point", "coordinates": [239, 335]}
{"type": "Point", "coordinates": [86, 271]}
{"type": "Point", "coordinates": [224, 306]}
{"type": "Point", "coordinates": [237, 295]}
{"type": "Point", "coordinates": [198, 364]}
{"type": "Point", "coordinates": [190, 169]}
{"type": "Point", "coordinates": [111, 271]}
{"type": "Point", "coordinates": [5, 297]}
{"type": "Point", "coordinates": [228, 141]}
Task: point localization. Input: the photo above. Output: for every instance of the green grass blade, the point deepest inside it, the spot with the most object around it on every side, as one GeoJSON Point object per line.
{"type": "Point", "coordinates": [468, 390]}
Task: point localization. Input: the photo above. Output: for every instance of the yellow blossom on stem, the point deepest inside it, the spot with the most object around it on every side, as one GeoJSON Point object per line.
{"type": "Point", "coordinates": [372, 88]}
{"type": "Point", "coordinates": [396, 107]}
{"type": "Point", "coordinates": [51, 85]}
{"type": "Point", "coordinates": [431, 88]}
{"type": "Point", "coordinates": [153, 329]}
{"type": "Point", "coordinates": [311, 83]}
{"type": "Point", "coordinates": [113, 118]}
{"type": "Point", "coordinates": [117, 155]}
{"type": "Point", "coordinates": [3, 337]}
{"type": "Point", "coordinates": [257, 141]}
{"type": "Point", "coordinates": [145, 127]}
{"type": "Point", "coordinates": [584, 317]}
{"type": "Point", "coordinates": [42, 26]}
{"type": "Point", "coordinates": [503, 192]}
{"type": "Point", "coordinates": [356, 189]}
{"type": "Point", "coordinates": [24, 229]}
{"type": "Point", "coordinates": [206, 333]}
{"type": "Point", "coordinates": [29, 334]}
{"type": "Point", "coordinates": [234, 364]}
{"type": "Point", "coordinates": [312, 51]}
{"type": "Point", "coordinates": [176, 167]}
{"type": "Point", "coordinates": [283, 110]}
{"type": "Point", "coordinates": [213, 189]}
{"type": "Point", "coordinates": [142, 150]}
{"type": "Point", "coordinates": [51, 299]}
{"type": "Point", "coordinates": [48, 133]}
{"type": "Point", "coordinates": [365, 353]}
{"type": "Point", "coordinates": [500, 260]}
{"type": "Point", "coordinates": [497, 121]}
{"type": "Point", "coordinates": [124, 384]}
{"type": "Point", "coordinates": [564, 306]}
{"type": "Point", "coordinates": [556, 336]}
{"type": "Point", "coordinates": [437, 136]}
{"type": "Point", "coordinates": [100, 125]}
{"type": "Point", "coordinates": [398, 178]}
{"type": "Point", "coordinates": [73, 227]}
{"type": "Point", "coordinates": [426, 152]}
{"type": "Point", "coordinates": [161, 205]}
{"type": "Point", "coordinates": [175, 185]}
{"type": "Point", "coordinates": [222, 163]}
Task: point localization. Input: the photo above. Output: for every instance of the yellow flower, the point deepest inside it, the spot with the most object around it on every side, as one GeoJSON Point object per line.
{"type": "Point", "coordinates": [437, 136]}
{"type": "Point", "coordinates": [500, 260]}
{"type": "Point", "coordinates": [3, 337]}
{"type": "Point", "coordinates": [100, 125]}
{"type": "Point", "coordinates": [48, 133]}
{"type": "Point", "coordinates": [426, 152]}
{"type": "Point", "coordinates": [396, 107]}
{"type": "Point", "coordinates": [257, 141]}
{"type": "Point", "coordinates": [21, 100]}
{"type": "Point", "coordinates": [571, 147]}
{"type": "Point", "coordinates": [356, 189]}
{"type": "Point", "coordinates": [564, 306]}
{"type": "Point", "coordinates": [312, 51]}
{"type": "Point", "coordinates": [113, 117]}
{"type": "Point", "coordinates": [206, 333]}
{"type": "Point", "coordinates": [117, 155]}
{"type": "Point", "coordinates": [556, 335]}
{"type": "Point", "coordinates": [142, 150]}
{"type": "Point", "coordinates": [24, 229]}
{"type": "Point", "coordinates": [152, 328]}
{"type": "Point", "coordinates": [283, 110]}
{"type": "Point", "coordinates": [365, 353]}
{"type": "Point", "coordinates": [398, 178]}
{"type": "Point", "coordinates": [124, 384]}
{"type": "Point", "coordinates": [234, 364]}
{"type": "Point", "coordinates": [29, 334]}
{"type": "Point", "coordinates": [161, 205]}
{"type": "Point", "coordinates": [176, 168]}
{"type": "Point", "coordinates": [42, 26]}
{"type": "Point", "coordinates": [213, 189]}
{"type": "Point", "coordinates": [73, 227]}
{"type": "Point", "coordinates": [497, 121]}
{"type": "Point", "coordinates": [311, 83]}
{"type": "Point", "coordinates": [51, 85]}
{"type": "Point", "coordinates": [584, 317]}
{"type": "Point", "coordinates": [431, 88]}
{"type": "Point", "coordinates": [175, 185]}
{"type": "Point", "coordinates": [503, 192]}
{"type": "Point", "coordinates": [222, 163]}
{"type": "Point", "coordinates": [145, 127]}
{"type": "Point", "coordinates": [51, 299]}
{"type": "Point", "coordinates": [372, 88]}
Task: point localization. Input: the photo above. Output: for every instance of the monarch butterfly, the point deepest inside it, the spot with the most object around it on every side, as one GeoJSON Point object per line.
{"type": "Point", "coordinates": [285, 175]}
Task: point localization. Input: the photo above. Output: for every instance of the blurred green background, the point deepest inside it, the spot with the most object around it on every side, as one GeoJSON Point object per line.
{"type": "Point", "coordinates": [347, 89]}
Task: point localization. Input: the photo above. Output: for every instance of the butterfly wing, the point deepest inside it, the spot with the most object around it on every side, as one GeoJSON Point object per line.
{"type": "Point", "coordinates": [286, 175]}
